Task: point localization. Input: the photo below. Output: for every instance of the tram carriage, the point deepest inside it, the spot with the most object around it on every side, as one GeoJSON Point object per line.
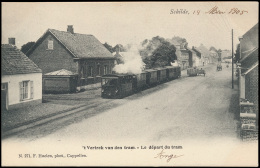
{"type": "Point", "coordinates": [161, 75]}
{"type": "Point", "coordinates": [151, 77]}
{"type": "Point", "coordinates": [122, 85]}
{"type": "Point", "coordinates": [139, 81]}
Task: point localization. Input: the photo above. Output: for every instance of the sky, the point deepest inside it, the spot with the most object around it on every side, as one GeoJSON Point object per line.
{"type": "Point", "coordinates": [130, 22]}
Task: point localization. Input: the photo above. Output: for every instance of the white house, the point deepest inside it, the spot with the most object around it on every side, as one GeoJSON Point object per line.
{"type": "Point", "coordinates": [21, 79]}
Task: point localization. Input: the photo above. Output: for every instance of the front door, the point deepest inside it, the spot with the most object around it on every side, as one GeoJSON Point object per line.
{"type": "Point", "coordinates": [4, 96]}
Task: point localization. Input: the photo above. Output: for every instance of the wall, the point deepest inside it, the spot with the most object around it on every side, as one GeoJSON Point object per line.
{"type": "Point", "coordinates": [251, 82]}
{"type": "Point", "coordinates": [84, 72]}
{"type": "Point", "coordinates": [59, 84]}
{"type": "Point", "coordinates": [53, 60]}
{"type": "Point", "coordinates": [14, 87]}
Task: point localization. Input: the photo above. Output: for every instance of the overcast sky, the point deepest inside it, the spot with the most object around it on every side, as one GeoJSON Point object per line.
{"type": "Point", "coordinates": [132, 22]}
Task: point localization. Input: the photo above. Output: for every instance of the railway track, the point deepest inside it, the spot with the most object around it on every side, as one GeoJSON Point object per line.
{"type": "Point", "coordinates": [41, 121]}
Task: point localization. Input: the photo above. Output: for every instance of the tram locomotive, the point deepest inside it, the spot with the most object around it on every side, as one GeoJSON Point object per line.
{"type": "Point", "coordinates": [121, 85]}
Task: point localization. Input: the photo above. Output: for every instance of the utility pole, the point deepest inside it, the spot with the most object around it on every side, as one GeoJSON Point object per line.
{"type": "Point", "coordinates": [232, 63]}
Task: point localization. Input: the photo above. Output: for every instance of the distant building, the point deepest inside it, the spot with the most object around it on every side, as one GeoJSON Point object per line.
{"type": "Point", "coordinates": [249, 60]}
{"type": "Point", "coordinates": [205, 55]}
{"type": "Point", "coordinates": [183, 56]}
{"type": "Point", "coordinates": [214, 56]}
{"type": "Point", "coordinates": [21, 83]}
{"type": "Point", "coordinates": [198, 59]}
{"type": "Point", "coordinates": [118, 56]}
{"type": "Point", "coordinates": [194, 58]}
{"type": "Point", "coordinates": [81, 54]}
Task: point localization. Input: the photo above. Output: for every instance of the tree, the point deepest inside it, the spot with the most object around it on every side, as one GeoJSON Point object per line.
{"type": "Point", "coordinates": [27, 46]}
{"type": "Point", "coordinates": [180, 40]}
{"type": "Point", "coordinates": [109, 47]}
{"type": "Point", "coordinates": [157, 52]}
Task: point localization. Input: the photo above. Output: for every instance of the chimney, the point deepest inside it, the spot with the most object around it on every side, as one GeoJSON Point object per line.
{"type": "Point", "coordinates": [70, 29]}
{"type": "Point", "coordinates": [11, 41]}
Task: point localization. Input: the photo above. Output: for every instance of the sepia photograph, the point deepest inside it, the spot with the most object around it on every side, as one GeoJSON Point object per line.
{"type": "Point", "coordinates": [129, 84]}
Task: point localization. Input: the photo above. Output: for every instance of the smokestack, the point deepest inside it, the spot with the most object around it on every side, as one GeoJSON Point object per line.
{"type": "Point", "coordinates": [70, 29]}
{"type": "Point", "coordinates": [11, 41]}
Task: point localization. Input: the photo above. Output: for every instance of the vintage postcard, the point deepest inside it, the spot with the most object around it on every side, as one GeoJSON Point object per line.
{"type": "Point", "coordinates": [129, 84]}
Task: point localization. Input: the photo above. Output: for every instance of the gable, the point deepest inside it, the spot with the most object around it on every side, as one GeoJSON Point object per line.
{"type": "Point", "coordinates": [78, 45]}
{"type": "Point", "coordinates": [42, 41]}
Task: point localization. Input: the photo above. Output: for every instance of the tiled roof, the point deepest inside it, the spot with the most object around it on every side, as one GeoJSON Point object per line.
{"type": "Point", "coordinates": [248, 53]}
{"type": "Point", "coordinates": [16, 62]}
{"type": "Point", "coordinates": [62, 72]}
{"type": "Point", "coordinates": [80, 45]}
{"type": "Point", "coordinates": [250, 69]}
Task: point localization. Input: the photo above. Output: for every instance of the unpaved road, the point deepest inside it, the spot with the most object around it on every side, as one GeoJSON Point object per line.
{"type": "Point", "coordinates": [194, 112]}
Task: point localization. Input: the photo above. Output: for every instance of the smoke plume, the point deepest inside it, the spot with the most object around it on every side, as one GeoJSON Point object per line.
{"type": "Point", "coordinates": [133, 62]}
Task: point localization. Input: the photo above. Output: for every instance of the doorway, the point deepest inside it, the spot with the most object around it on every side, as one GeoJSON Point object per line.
{"type": "Point", "coordinates": [4, 96]}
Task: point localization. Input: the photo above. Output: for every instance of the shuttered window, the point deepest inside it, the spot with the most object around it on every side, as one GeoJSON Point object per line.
{"type": "Point", "coordinates": [24, 90]}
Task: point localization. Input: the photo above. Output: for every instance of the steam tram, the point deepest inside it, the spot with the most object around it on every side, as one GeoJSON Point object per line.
{"type": "Point", "coordinates": [121, 85]}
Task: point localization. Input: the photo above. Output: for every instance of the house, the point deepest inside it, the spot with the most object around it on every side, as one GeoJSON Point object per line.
{"type": "Point", "coordinates": [226, 56]}
{"type": "Point", "coordinates": [205, 55]}
{"type": "Point", "coordinates": [81, 54]}
{"type": "Point", "coordinates": [214, 55]}
{"type": "Point", "coordinates": [21, 83]}
{"type": "Point", "coordinates": [194, 58]}
{"type": "Point", "coordinates": [198, 60]}
{"type": "Point", "coordinates": [183, 57]}
{"type": "Point", "coordinates": [248, 68]}
{"type": "Point", "coordinates": [119, 57]}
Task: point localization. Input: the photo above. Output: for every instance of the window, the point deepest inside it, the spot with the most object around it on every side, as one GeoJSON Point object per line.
{"type": "Point", "coordinates": [26, 90]}
{"type": "Point", "coordinates": [98, 70]}
{"type": "Point", "coordinates": [50, 44]}
{"type": "Point", "coordinates": [3, 86]}
{"type": "Point", "coordinates": [105, 69]}
{"type": "Point", "coordinates": [90, 71]}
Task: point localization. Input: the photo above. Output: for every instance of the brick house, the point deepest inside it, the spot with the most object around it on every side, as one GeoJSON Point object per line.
{"type": "Point", "coordinates": [248, 67]}
{"type": "Point", "coordinates": [21, 79]}
{"type": "Point", "coordinates": [81, 54]}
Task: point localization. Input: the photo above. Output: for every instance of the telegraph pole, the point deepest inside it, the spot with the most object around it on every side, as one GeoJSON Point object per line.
{"type": "Point", "coordinates": [232, 63]}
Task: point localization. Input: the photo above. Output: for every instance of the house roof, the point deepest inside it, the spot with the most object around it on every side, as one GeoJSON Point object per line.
{"type": "Point", "coordinates": [248, 53]}
{"type": "Point", "coordinates": [79, 45]}
{"type": "Point", "coordinates": [251, 68]}
{"type": "Point", "coordinates": [197, 51]}
{"type": "Point", "coordinates": [16, 62]}
{"type": "Point", "coordinates": [62, 72]}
